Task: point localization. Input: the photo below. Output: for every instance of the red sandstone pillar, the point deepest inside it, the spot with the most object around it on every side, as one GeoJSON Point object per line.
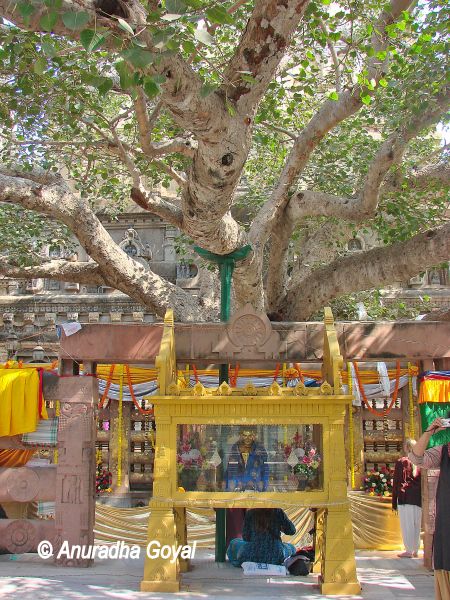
{"type": "Point", "coordinates": [75, 476]}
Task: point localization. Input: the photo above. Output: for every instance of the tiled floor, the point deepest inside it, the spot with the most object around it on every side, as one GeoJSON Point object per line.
{"type": "Point", "coordinates": [381, 574]}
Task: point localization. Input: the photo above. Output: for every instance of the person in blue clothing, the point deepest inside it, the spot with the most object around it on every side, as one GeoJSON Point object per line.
{"type": "Point", "coordinates": [261, 541]}
{"type": "Point", "coordinates": [247, 469]}
{"type": "Point", "coordinates": [247, 464]}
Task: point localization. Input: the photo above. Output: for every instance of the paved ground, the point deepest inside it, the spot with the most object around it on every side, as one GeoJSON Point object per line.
{"type": "Point", "coordinates": [27, 577]}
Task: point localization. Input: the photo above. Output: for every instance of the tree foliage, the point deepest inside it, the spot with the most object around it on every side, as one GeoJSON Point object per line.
{"type": "Point", "coordinates": [286, 124]}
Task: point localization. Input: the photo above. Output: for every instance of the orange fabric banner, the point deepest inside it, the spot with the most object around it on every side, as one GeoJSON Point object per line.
{"type": "Point", "coordinates": [15, 458]}
{"type": "Point", "coordinates": [434, 390]}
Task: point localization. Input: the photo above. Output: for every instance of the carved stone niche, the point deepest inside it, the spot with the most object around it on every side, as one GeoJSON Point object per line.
{"type": "Point", "coordinates": [138, 317]}
{"type": "Point", "coordinates": [34, 286]}
{"type": "Point", "coordinates": [249, 335]}
{"type": "Point", "coordinates": [94, 317]}
{"type": "Point", "coordinates": [8, 317]}
{"type": "Point", "coordinates": [71, 286]}
{"type": "Point", "coordinates": [29, 318]}
{"type": "Point", "coordinates": [72, 316]}
{"type": "Point", "coordinates": [50, 318]}
{"type": "Point", "coordinates": [116, 317]}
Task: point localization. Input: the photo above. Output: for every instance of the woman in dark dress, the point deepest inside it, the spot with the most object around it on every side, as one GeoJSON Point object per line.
{"type": "Point", "coordinates": [438, 457]}
{"type": "Point", "coordinates": [407, 499]}
{"type": "Point", "coordinates": [261, 541]}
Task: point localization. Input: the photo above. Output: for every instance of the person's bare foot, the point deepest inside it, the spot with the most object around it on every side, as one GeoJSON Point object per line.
{"type": "Point", "coordinates": [415, 554]}
{"type": "Point", "coordinates": [405, 555]}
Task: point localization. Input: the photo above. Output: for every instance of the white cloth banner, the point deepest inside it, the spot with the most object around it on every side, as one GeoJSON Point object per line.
{"type": "Point", "coordinates": [374, 390]}
{"type": "Point", "coordinates": [384, 378]}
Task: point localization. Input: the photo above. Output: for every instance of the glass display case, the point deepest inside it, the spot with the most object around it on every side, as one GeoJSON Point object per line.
{"type": "Point", "coordinates": [240, 458]}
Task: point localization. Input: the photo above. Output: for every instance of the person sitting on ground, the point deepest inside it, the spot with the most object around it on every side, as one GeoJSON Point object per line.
{"type": "Point", "coordinates": [407, 498]}
{"type": "Point", "coordinates": [261, 541]}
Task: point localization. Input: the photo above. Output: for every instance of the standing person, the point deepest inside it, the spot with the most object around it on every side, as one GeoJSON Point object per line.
{"type": "Point", "coordinates": [407, 498]}
{"type": "Point", "coordinates": [438, 457]}
{"type": "Point", "coordinates": [262, 538]}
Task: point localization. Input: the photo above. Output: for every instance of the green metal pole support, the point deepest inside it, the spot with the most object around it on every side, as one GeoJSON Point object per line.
{"type": "Point", "coordinates": [226, 263]}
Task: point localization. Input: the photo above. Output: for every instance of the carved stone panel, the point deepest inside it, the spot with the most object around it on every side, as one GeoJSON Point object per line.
{"type": "Point", "coordinates": [20, 536]}
{"type": "Point", "coordinates": [22, 485]}
{"type": "Point", "coordinates": [75, 481]}
{"type": "Point", "coordinates": [248, 335]}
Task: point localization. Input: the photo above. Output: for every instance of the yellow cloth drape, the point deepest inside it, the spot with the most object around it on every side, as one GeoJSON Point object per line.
{"type": "Point", "coordinates": [131, 524]}
{"type": "Point", "coordinates": [375, 525]}
{"type": "Point", "coordinates": [434, 390]}
{"type": "Point", "coordinates": [14, 458]}
{"type": "Point", "coordinates": [19, 401]}
{"type": "Point", "coordinates": [143, 375]}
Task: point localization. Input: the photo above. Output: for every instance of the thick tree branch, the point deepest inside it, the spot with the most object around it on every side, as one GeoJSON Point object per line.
{"type": "Point", "coordinates": [180, 92]}
{"type": "Point", "coordinates": [277, 273]}
{"type": "Point", "coordinates": [143, 121]}
{"type": "Point", "coordinates": [329, 115]}
{"type": "Point", "coordinates": [61, 270]}
{"type": "Point", "coordinates": [121, 271]}
{"type": "Point", "coordinates": [420, 179]}
{"type": "Point", "coordinates": [157, 205]}
{"type": "Point", "coordinates": [145, 128]}
{"type": "Point", "coordinates": [363, 206]}
{"type": "Point", "coordinates": [366, 270]}
{"type": "Point", "coordinates": [290, 134]}
{"type": "Point", "coordinates": [260, 50]}
{"type": "Point", "coordinates": [320, 244]}
{"type": "Point", "coordinates": [180, 145]}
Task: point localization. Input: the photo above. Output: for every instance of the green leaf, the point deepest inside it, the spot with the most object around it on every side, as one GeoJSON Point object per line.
{"type": "Point", "coordinates": [207, 89]}
{"type": "Point", "coordinates": [188, 46]}
{"type": "Point", "coordinates": [248, 78]}
{"type": "Point", "coordinates": [231, 109]}
{"type": "Point", "coordinates": [48, 21]}
{"type": "Point", "coordinates": [105, 86]}
{"type": "Point", "coordinates": [138, 57]}
{"type": "Point", "coordinates": [401, 25]}
{"type": "Point", "coordinates": [125, 75]}
{"type": "Point", "coordinates": [91, 40]}
{"type": "Point", "coordinates": [161, 37]}
{"type": "Point", "coordinates": [158, 78]}
{"type": "Point", "coordinates": [49, 49]}
{"type": "Point", "coordinates": [125, 26]}
{"type": "Point", "coordinates": [217, 14]}
{"type": "Point", "coordinates": [151, 87]}
{"type": "Point", "coordinates": [204, 37]}
{"type": "Point", "coordinates": [26, 10]}
{"type": "Point", "coordinates": [40, 65]}
{"type": "Point", "coordinates": [383, 82]}
{"type": "Point", "coordinates": [170, 17]}
{"type": "Point", "coordinates": [53, 3]}
{"type": "Point", "coordinates": [75, 20]}
{"type": "Point", "coordinates": [366, 99]}
{"type": "Point", "coordinates": [176, 7]}
{"type": "Point", "coordinates": [333, 96]}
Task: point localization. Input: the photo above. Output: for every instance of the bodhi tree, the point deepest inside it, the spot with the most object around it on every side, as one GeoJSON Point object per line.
{"type": "Point", "coordinates": [287, 125]}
